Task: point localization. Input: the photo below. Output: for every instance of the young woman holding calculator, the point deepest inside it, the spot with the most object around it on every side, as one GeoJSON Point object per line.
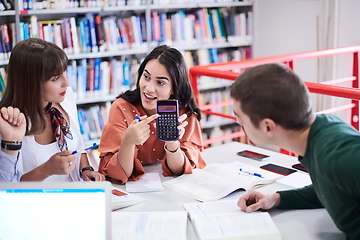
{"type": "Point", "coordinates": [128, 143]}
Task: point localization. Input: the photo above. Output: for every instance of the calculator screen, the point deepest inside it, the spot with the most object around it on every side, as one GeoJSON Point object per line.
{"type": "Point", "coordinates": [167, 108]}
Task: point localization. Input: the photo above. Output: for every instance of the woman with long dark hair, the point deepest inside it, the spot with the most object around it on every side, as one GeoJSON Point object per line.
{"type": "Point", "coordinates": [127, 144]}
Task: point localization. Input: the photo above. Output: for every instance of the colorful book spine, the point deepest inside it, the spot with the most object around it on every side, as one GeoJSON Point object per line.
{"type": "Point", "coordinates": [97, 77]}
{"type": "Point", "coordinates": [91, 21]}
{"type": "Point", "coordinates": [100, 38]}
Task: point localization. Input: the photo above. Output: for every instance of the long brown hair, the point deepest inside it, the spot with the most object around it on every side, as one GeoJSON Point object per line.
{"type": "Point", "coordinates": [32, 62]}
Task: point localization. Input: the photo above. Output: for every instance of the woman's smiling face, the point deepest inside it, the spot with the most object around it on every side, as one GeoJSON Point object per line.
{"type": "Point", "coordinates": [155, 84]}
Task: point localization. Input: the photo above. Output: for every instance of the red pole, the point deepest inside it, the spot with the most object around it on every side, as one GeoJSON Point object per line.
{"type": "Point", "coordinates": [355, 84]}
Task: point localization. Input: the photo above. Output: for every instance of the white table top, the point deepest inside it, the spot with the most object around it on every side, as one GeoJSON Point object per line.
{"type": "Point", "coordinates": [293, 224]}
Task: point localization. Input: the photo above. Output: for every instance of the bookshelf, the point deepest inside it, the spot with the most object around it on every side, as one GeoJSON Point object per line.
{"type": "Point", "coordinates": [104, 57]}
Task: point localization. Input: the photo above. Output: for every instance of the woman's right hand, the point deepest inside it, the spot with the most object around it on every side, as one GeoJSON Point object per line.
{"type": "Point", "coordinates": [60, 163]}
{"type": "Point", "coordinates": [12, 124]}
{"type": "Point", "coordinates": [138, 132]}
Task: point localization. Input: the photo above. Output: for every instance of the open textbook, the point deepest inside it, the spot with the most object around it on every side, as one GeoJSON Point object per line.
{"type": "Point", "coordinates": [121, 199]}
{"type": "Point", "coordinates": [225, 220]}
{"type": "Point", "coordinates": [218, 180]}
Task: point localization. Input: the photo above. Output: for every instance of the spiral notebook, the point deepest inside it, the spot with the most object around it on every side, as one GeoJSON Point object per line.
{"type": "Point", "coordinates": [149, 182]}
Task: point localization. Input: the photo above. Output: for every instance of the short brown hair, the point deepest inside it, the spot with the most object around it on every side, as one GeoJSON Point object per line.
{"type": "Point", "coordinates": [32, 62]}
{"type": "Point", "coordinates": [273, 91]}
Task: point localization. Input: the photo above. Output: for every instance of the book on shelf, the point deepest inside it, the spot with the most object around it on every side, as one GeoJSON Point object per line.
{"type": "Point", "coordinates": [218, 180]}
{"type": "Point", "coordinates": [170, 225]}
{"type": "Point", "coordinates": [225, 220]}
{"type": "Point", "coordinates": [121, 199]}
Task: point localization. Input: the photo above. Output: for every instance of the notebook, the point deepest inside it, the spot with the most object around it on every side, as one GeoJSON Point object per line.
{"type": "Point", "coordinates": [149, 182]}
{"type": "Point", "coordinates": [55, 210]}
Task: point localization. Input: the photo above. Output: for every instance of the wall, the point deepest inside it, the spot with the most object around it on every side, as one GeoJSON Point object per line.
{"type": "Point", "coordinates": [291, 26]}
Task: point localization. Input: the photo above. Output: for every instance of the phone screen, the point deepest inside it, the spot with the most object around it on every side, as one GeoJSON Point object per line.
{"type": "Point", "coordinates": [278, 169]}
{"type": "Point", "coordinates": [253, 155]}
{"type": "Point", "coordinates": [299, 166]}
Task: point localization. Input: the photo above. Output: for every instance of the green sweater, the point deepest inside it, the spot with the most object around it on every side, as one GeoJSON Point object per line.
{"type": "Point", "coordinates": [332, 158]}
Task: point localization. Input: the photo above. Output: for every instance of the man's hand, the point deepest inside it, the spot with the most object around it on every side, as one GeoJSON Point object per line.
{"type": "Point", "coordinates": [253, 201]}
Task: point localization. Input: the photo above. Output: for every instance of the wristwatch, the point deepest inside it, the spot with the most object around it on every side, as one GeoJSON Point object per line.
{"type": "Point", "coordinates": [85, 169]}
{"type": "Point", "coordinates": [12, 146]}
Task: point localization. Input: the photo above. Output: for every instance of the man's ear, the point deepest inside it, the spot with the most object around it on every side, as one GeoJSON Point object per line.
{"type": "Point", "coordinates": [268, 126]}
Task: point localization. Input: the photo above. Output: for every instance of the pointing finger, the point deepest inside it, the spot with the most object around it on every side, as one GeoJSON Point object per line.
{"type": "Point", "coordinates": [150, 119]}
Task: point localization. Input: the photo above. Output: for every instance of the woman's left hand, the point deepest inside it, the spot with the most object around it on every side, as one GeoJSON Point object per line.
{"type": "Point", "coordinates": [92, 176]}
{"type": "Point", "coordinates": [182, 125]}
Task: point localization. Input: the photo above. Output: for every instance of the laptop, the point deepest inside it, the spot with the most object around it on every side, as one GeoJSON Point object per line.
{"type": "Point", "coordinates": [55, 210]}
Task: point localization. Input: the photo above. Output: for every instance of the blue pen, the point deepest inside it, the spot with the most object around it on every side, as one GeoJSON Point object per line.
{"type": "Point", "coordinates": [84, 149]}
{"type": "Point", "coordinates": [250, 173]}
{"type": "Point", "coordinates": [137, 118]}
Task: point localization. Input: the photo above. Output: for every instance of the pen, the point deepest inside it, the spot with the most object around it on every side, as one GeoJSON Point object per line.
{"type": "Point", "coordinates": [250, 173]}
{"type": "Point", "coordinates": [84, 149]}
{"type": "Point", "coordinates": [137, 118]}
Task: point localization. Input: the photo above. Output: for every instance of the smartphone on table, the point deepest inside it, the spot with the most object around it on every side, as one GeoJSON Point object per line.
{"type": "Point", "coordinates": [278, 169]}
{"type": "Point", "coordinates": [253, 155]}
{"type": "Point", "coordinates": [299, 166]}
{"type": "Point", "coordinates": [167, 122]}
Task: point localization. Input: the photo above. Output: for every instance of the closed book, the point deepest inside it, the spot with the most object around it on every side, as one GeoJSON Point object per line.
{"type": "Point", "coordinates": [6, 39]}
{"type": "Point", "coordinates": [100, 36]}
{"type": "Point", "coordinates": [129, 31]}
{"type": "Point", "coordinates": [92, 32]}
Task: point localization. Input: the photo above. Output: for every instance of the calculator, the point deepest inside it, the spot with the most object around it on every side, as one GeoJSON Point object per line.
{"type": "Point", "coordinates": [167, 122]}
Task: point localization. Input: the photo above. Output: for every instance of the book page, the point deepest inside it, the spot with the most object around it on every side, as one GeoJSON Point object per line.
{"type": "Point", "coordinates": [225, 220]}
{"type": "Point", "coordinates": [149, 225]}
{"type": "Point", "coordinates": [149, 182]}
{"type": "Point", "coordinates": [202, 185]}
{"type": "Point", "coordinates": [231, 171]}
{"type": "Point", "coordinates": [216, 181]}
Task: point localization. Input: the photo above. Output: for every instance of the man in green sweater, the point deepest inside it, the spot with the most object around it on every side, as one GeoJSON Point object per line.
{"type": "Point", "coordinates": [272, 105]}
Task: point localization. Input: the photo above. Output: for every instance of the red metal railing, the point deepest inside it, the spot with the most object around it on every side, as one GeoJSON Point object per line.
{"type": "Point", "coordinates": [224, 71]}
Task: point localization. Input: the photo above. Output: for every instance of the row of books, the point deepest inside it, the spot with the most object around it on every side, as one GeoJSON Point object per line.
{"type": "Point", "coordinates": [71, 4]}
{"type": "Point", "coordinates": [91, 33]}
{"type": "Point", "coordinates": [214, 55]}
{"type": "Point", "coordinates": [95, 33]}
{"type": "Point", "coordinates": [67, 4]}
{"type": "Point", "coordinates": [92, 121]}
{"type": "Point", "coordinates": [94, 77]}
{"type": "Point", "coordinates": [203, 26]}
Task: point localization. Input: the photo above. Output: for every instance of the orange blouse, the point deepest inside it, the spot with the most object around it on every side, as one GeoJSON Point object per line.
{"type": "Point", "coordinates": [122, 113]}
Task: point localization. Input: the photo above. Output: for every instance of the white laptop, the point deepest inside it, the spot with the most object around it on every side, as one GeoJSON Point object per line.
{"type": "Point", "coordinates": [55, 210]}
